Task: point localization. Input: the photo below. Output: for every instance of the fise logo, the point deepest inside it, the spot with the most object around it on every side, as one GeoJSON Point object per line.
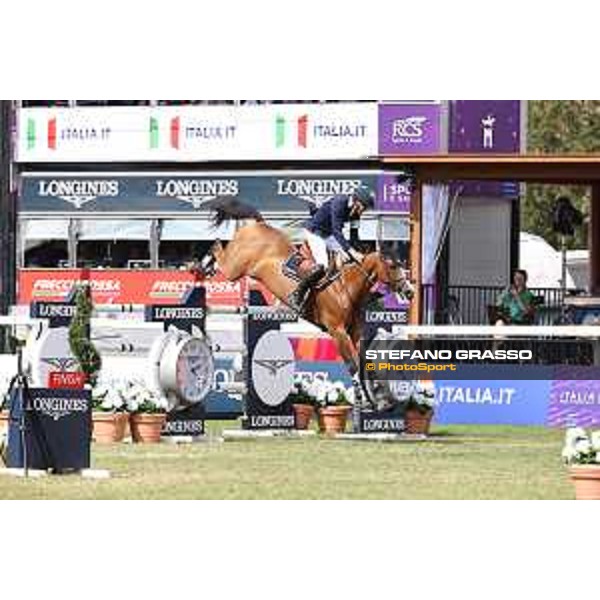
{"type": "Point", "coordinates": [297, 130]}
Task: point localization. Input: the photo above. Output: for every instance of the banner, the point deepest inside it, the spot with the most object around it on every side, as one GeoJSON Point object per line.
{"type": "Point", "coordinates": [492, 402]}
{"type": "Point", "coordinates": [393, 195]}
{"type": "Point", "coordinates": [409, 129]}
{"type": "Point", "coordinates": [341, 130]}
{"type": "Point", "coordinates": [125, 287]}
{"type": "Point", "coordinates": [154, 194]}
{"type": "Point", "coordinates": [486, 127]}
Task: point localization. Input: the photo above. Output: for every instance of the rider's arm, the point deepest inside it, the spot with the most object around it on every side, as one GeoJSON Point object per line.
{"type": "Point", "coordinates": [338, 220]}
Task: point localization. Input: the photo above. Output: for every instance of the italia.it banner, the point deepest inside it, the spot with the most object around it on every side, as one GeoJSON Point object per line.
{"type": "Point", "coordinates": [197, 133]}
{"type": "Point", "coordinates": [307, 131]}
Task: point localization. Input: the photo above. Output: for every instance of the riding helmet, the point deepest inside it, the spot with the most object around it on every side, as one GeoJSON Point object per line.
{"type": "Point", "coordinates": [365, 196]}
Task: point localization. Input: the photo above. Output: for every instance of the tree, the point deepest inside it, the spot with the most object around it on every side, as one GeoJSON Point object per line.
{"type": "Point", "coordinates": [80, 342]}
{"type": "Point", "coordinates": [559, 127]}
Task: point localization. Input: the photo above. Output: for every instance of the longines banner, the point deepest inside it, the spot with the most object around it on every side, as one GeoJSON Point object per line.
{"type": "Point", "coordinates": [177, 193]}
{"type": "Point", "coordinates": [344, 130]}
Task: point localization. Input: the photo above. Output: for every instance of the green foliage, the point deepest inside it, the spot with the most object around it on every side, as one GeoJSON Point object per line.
{"type": "Point", "coordinates": [79, 336]}
{"type": "Point", "coordinates": [559, 127]}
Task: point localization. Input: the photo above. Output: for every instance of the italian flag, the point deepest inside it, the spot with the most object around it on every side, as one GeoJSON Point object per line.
{"type": "Point", "coordinates": [31, 134]}
{"type": "Point", "coordinates": [174, 133]}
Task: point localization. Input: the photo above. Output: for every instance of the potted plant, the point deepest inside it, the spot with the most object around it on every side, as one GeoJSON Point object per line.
{"type": "Point", "coordinates": [419, 408]}
{"type": "Point", "coordinates": [335, 402]}
{"type": "Point", "coordinates": [148, 410]}
{"type": "Point", "coordinates": [109, 414]}
{"type": "Point", "coordinates": [303, 404]}
{"type": "Point", "coordinates": [80, 341]}
{"type": "Point", "coordinates": [582, 454]}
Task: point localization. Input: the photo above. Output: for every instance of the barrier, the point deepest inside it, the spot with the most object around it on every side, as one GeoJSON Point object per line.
{"type": "Point", "coordinates": [370, 422]}
{"type": "Point", "coordinates": [268, 364]}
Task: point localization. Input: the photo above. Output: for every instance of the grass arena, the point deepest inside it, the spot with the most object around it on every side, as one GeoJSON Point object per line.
{"type": "Point", "coordinates": [457, 462]}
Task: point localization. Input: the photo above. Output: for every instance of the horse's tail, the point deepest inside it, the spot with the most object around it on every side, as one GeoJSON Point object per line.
{"type": "Point", "coordinates": [233, 210]}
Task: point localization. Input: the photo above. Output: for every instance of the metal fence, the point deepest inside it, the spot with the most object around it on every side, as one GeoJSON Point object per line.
{"type": "Point", "coordinates": [470, 304]}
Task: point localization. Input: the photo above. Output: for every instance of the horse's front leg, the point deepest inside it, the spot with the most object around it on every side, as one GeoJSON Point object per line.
{"type": "Point", "coordinates": [226, 261]}
{"type": "Point", "coordinates": [350, 355]}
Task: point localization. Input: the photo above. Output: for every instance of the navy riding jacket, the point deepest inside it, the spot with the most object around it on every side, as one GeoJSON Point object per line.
{"type": "Point", "coordinates": [329, 220]}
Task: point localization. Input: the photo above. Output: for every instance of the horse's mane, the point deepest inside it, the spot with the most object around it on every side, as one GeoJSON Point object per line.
{"type": "Point", "coordinates": [230, 209]}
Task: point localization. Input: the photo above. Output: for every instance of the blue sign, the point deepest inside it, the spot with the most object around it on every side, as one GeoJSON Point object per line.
{"type": "Point", "coordinates": [492, 402]}
{"type": "Point", "coordinates": [58, 429]}
{"type": "Point", "coordinates": [168, 194]}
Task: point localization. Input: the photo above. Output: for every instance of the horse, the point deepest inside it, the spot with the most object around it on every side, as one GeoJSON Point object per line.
{"type": "Point", "coordinates": [260, 251]}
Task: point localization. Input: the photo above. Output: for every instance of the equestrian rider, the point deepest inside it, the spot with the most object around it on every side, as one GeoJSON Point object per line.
{"type": "Point", "coordinates": [325, 232]}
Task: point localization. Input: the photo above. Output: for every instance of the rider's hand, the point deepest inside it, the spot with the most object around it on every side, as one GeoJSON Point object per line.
{"type": "Point", "coordinates": [357, 256]}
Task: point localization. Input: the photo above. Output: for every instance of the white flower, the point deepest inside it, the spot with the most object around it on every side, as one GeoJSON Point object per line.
{"type": "Point", "coordinates": [569, 454]}
{"type": "Point", "coordinates": [350, 395]}
{"type": "Point", "coordinates": [132, 404]}
{"type": "Point", "coordinates": [596, 440]}
{"type": "Point", "coordinates": [575, 434]}
{"type": "Point", "coordinates": [321, 393]}
{"type": "Point", "coordinates": [332, 395]}
{"type": "Point", "coordinates": [583, 446]}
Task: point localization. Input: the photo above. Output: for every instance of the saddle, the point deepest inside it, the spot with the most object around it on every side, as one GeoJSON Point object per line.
{"type": "Point", "coordinates": [301, 261]}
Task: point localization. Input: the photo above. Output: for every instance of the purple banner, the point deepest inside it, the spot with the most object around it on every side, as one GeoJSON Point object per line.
{"type": "Point", "coordinates": [573, 402]}
{"type": "Point", "coordinates": [486, 127]}
{"type": "Point", "coordinates": [409, 129]}
{"type": "Point", "coordinates": [391, 195]}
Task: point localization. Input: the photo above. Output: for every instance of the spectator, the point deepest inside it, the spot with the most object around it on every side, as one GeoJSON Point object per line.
{"type": "Point", "coordinates": [516, 305]}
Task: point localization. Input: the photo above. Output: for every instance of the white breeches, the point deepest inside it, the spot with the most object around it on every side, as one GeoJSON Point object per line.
{"type": "Point", "coordinates": [320, 246]}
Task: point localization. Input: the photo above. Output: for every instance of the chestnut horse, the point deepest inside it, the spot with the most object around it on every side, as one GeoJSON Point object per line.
{"type": "Point", "coordinates": [259, 251]}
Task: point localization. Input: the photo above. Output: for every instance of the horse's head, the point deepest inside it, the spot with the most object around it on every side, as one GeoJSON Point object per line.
{"type": "Point", "coordinates": [390, 273]}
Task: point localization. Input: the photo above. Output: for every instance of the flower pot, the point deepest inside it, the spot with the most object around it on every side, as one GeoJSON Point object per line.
{"type": "Point", "coordinates": [108, 428]}
{"type": "Point", "coordinates": [146, 428]}
{"type": "Point", "coordinates": [332, 419]}
{"type": "Point", "coordinates": [416, 422]}
{"type": "Point", "coordinates": [586, 479]}
{"type": "Point", "coordinates": [303, 414]}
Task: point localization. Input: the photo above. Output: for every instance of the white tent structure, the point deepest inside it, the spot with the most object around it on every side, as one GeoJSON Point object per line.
{"type": "Point", "coordinates": [542, 262]}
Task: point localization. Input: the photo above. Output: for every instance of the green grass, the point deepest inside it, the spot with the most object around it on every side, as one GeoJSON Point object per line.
{"type": "Point", "coordinates": [458, 463]}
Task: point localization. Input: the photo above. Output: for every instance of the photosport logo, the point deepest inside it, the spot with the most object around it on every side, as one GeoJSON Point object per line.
{"type": "Point", "coordinates": [299, 126]}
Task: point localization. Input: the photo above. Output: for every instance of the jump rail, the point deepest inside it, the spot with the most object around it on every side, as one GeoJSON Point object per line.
{"type": "Point", "coordinates": [533, 331]}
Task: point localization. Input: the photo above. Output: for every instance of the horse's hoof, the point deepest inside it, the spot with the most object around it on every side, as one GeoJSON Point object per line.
{"type": "Point", "coordinates": [386, 406]}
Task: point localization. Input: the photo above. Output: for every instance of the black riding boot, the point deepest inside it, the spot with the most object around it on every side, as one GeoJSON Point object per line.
{"type": "Point", "coordinates": [296, 298]}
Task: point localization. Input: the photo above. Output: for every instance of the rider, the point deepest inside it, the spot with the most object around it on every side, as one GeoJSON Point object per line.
{"type": "Point", "coordinates": [324, 232]}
